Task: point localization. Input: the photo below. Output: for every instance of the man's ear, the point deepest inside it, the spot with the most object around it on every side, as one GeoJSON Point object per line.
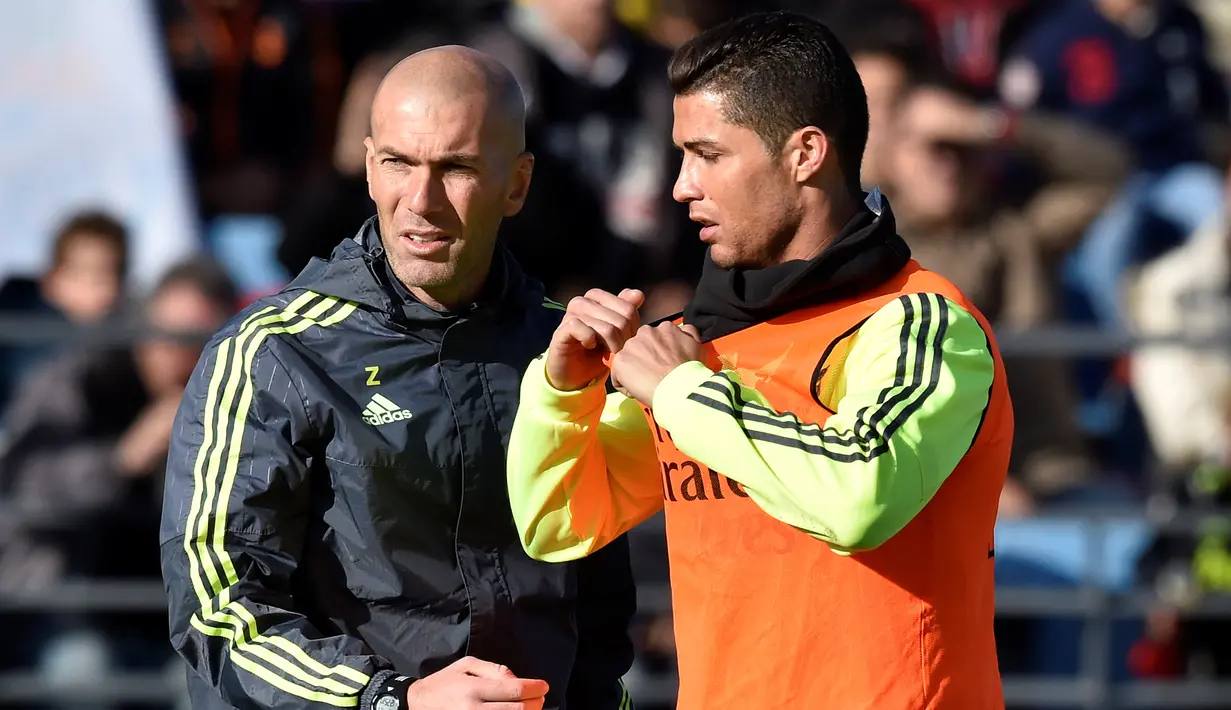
{"type": "Point", "coordinates": [519, 184]}
{"type": "Point", "coordinates": [369, 162]}
{"type": "Point", "coordinates": [807, 149]}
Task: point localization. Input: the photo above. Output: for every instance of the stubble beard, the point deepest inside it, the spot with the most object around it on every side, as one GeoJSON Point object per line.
{"type": "Point", "coordinates": [759, 251]}
{"type": "Point", "coordinates": [413, 273]}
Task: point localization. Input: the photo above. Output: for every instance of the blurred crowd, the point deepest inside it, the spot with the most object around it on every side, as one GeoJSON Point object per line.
{"type": "Point", "coordinates": [1064, 162]}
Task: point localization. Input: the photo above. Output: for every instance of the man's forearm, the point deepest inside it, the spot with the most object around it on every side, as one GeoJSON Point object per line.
{"type": "Point", "coordinates": [1069, 151]}
{"type": "Point", "coordinates": [582, 469]}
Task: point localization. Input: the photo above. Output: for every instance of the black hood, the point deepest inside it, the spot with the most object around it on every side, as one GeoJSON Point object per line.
{"type": "Point", "coordinates": [359, 271]}
{"type": "Point", "coordinates": [865, 254]}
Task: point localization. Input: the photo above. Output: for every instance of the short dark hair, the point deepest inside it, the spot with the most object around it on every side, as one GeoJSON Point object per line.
{"type": "Point", "coordinates": [207, 277]}
{"type": "Point", "coordinates": [98, 225]}
{"type": "Point", "coordinates": [778, 72]}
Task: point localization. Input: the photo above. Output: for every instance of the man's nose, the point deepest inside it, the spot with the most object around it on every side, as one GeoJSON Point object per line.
{"type": "Point", "coordinates": [425, 191]}
{"type": "Point", "coordinates": [686, 188]}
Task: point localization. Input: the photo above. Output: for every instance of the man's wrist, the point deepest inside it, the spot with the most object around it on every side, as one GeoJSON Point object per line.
{"type": "Point", "coordinates": [539, 392]}
{"type": "Point", "coordinates": [387, 690]}
{"type": "Point", "coordinates": [671, 394]}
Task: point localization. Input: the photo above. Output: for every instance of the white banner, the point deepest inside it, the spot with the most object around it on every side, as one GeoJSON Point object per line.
{"type": "Point", "coordinates": [87, 121]}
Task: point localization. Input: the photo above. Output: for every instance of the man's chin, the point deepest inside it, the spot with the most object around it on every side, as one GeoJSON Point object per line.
{"type": "Point", "coordinates": [723, 257]}
{"type": "Point", "coordinates": [417, 273]}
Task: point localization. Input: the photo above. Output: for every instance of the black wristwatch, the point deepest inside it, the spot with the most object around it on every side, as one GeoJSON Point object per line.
{"type": "Point", "coordinates": [389, 692]}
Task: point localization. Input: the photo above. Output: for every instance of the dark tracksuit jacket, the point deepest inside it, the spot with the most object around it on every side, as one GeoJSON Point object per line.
{"type": "Point", "coordinates": [1152, 92]}
{"type": "Point", "coordinates": [336, 507]}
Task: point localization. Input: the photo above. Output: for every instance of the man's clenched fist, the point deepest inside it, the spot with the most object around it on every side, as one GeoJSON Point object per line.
{"type": "Point", "coordinates": [594, 325]}
{"type": "Point", "coordinates": [472, 684]}
{"type": "Point", "coordinates": [651, 355]}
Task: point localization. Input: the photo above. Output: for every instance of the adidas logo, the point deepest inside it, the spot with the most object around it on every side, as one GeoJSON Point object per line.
{"type": "Point", "coordinates": [382, 410]}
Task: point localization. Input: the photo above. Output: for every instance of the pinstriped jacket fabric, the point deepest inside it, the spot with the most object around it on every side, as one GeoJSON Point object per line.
{"type": "Point", "coordinates": [336, 511]}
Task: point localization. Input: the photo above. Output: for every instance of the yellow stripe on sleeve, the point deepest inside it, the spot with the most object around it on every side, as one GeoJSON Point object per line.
{"type": "Point", "coordinates": [212, 496]}
{"type": "Point", "coordinates": [308, 320]}
{"type": "Point", "coordinates": [268, 675]}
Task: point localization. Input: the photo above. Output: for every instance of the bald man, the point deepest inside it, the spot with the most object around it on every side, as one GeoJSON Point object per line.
{"type": "Point", "coordinates": [336, 526]}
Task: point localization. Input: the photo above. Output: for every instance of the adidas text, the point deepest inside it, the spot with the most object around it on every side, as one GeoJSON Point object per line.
{"type": "Point", "coordinates": [387, 417]}
{"type": "Point", "coordinates": [382, 410]}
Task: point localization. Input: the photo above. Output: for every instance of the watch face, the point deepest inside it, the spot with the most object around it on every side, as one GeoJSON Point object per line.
{"type": "Point", "coordinates": [388, 702]}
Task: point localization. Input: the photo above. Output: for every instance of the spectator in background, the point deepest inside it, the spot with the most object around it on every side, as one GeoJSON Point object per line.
{"type": "Point", "coordinates": [1136, 69]}
{"type": "Point", "coordinates": [1185, 393]}
{"type": "Point", "coordinates": [963, 35]}
{"type": "Point", "coordinates": [88, 266]}
{"type": "Point", "coordinates": [84, 284]}
{"type": "Point", "coordinates": [888, 55]}
{"type": "Point", "coordinates": [968, 34]}
{"type": "Point", "coordinates": [599, 125]}
{"type": "Point", "coordinates": [999, 250]}
{"type": "Point", "coordinates": [87, 442]}
{"type": "Point", "coordinates": [92, 426]}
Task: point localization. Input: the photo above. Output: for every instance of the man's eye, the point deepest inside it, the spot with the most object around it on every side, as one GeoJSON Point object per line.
{"type": "Point", "coordinates": [708, 157]}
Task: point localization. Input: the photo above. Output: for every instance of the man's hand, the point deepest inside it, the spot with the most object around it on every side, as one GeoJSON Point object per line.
{"type": "Point", "coordinates": [472, 684]}
{"type": "Point", "coordinates": [143, 447]}
{"type": "Point", "coordinates": [945, 117]}
{"type": "Point", "coordinates": [651, 355]}
{"type": "Point", "coordinates": [594, 325]}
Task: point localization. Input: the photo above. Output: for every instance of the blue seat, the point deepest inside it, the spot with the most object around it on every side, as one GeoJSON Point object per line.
{"type": "Point", "coordinates": [1059, 553]}
{"type": "Point", "coordinates": [1063, 546]}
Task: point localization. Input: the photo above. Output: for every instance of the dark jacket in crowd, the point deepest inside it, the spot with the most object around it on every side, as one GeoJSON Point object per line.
{"type": "Point", "coordinates": [78, 514]}
{"type": "Point", "coordinates": [1152, 90]}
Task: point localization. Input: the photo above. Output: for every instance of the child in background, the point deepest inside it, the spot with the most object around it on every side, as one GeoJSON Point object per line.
{"type": "Point", "coordinates": [89, 262]}
{"type": "Point", "coordinates": [84, 284]}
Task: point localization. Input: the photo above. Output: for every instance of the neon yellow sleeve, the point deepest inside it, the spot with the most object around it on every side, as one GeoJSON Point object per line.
{"type": "Point", "coordinates": [909, 403]}
{"type": "Point", "coordinates": [582, 468]}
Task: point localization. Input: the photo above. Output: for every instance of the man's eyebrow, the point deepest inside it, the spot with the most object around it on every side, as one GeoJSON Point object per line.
{"type": "Point", "coordinates": [394, 153]}
{"type": "Point", "coordinates": [456, 158]}
{"type": "Point", "coordinates": [701, 144]}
